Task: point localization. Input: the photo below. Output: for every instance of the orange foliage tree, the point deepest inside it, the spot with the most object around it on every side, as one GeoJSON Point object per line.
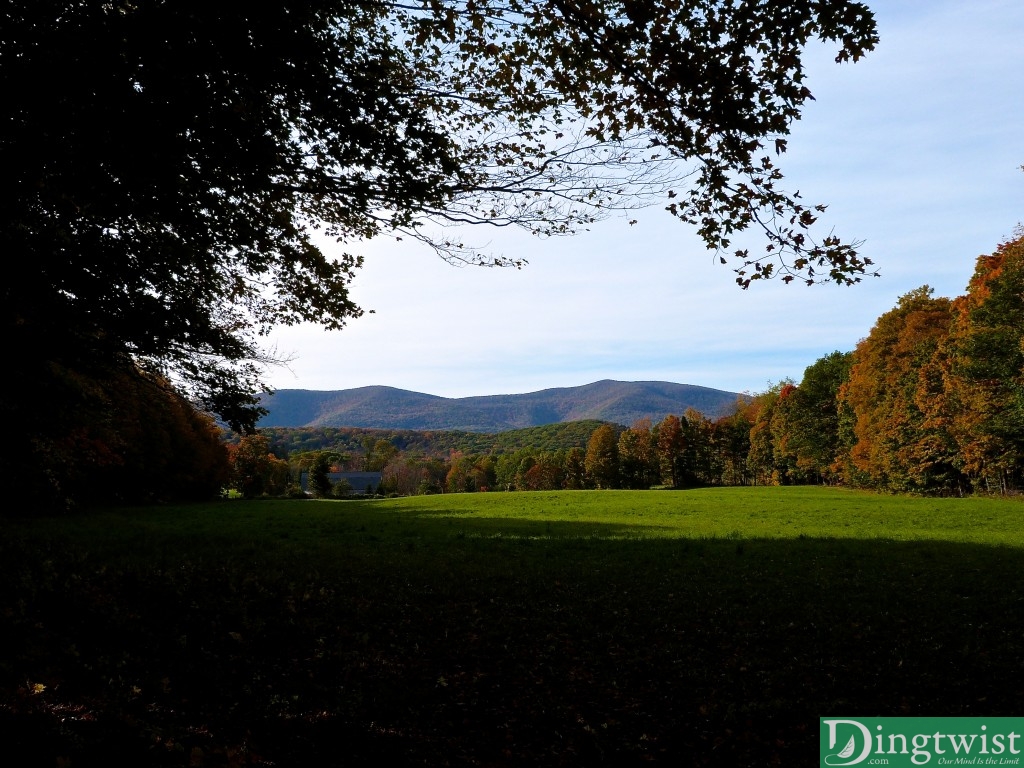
{"type": "Point", "coordinates": [896, 447]}
{"type": "Point", "coordinates": [255, 470]}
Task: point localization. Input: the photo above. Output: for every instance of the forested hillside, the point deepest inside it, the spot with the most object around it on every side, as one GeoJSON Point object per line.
{"type": "Point", "coordinates": [619, 402]}
{"type": "Point", "coordinates": [441, 443]}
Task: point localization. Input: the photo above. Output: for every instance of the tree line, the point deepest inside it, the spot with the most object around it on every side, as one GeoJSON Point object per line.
{"type": "Point", "coordinates": [930, 401]}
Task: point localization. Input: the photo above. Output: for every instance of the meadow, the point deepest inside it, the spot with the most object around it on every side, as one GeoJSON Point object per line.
{"type": "Point", "coordinates": [704, 627]}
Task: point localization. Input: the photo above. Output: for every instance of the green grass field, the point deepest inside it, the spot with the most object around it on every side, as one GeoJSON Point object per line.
{"type": "Point", "coordinates": [707, 627]}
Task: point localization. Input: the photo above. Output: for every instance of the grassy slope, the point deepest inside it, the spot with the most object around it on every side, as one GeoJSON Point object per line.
{"type": "Point", "coordinates": [706, 627]}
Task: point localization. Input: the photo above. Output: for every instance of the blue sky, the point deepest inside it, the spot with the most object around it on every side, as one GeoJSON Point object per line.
{"type": "Point", "coordinates": [917, 149]}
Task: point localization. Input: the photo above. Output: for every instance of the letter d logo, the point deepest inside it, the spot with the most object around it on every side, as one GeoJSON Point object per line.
{"type": "Point", "coordinates": [847, 751]}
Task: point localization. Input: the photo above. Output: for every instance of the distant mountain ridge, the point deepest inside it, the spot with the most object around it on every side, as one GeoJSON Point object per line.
{"type": "Point", "coordinates": [379, 407]}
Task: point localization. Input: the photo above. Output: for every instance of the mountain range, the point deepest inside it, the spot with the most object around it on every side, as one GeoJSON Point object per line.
{"type": "Point", "coordinates": [620, 402]}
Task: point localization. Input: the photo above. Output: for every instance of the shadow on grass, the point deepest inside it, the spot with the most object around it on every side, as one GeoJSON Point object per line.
{"type": "Point", "coordinates": [397, 640]}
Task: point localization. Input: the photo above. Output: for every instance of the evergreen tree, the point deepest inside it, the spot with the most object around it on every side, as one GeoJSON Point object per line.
{"type": "Point", "coordinates": [319, 483]}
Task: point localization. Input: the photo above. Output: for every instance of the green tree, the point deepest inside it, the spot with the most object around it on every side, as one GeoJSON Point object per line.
{"type": "Point", "coordinates": [699, 459]}
{"type": "Point", "coordinates": [341, 489]}
{"type": "Point", "coordinates": [507, 467]}
{"type": "Point", "coordinates": [732, 438]}
{"type": "Point", "coordinates": [469, 473]}
{"type": "Point", "coordinates": [378, 453]}
{"type": "Point", "coordinates": [319, 482]}
{"type": "Point", "coordinates": [814, 419]}
{"type": "Point", "coordinates": [761, 457]}
{"type": "Point", "coordinates": [780, 425]}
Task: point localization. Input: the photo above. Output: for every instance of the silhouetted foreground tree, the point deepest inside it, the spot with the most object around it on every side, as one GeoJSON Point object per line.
{"type": "Point", "coordinates": [167, 167]}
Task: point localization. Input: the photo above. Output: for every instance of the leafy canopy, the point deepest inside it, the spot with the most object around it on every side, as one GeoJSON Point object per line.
{"type": "Point", "coordinates": [168, 167]}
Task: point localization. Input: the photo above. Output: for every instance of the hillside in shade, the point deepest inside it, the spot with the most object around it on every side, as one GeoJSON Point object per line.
{"type": "Point", "coordinates": [621, 402]}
